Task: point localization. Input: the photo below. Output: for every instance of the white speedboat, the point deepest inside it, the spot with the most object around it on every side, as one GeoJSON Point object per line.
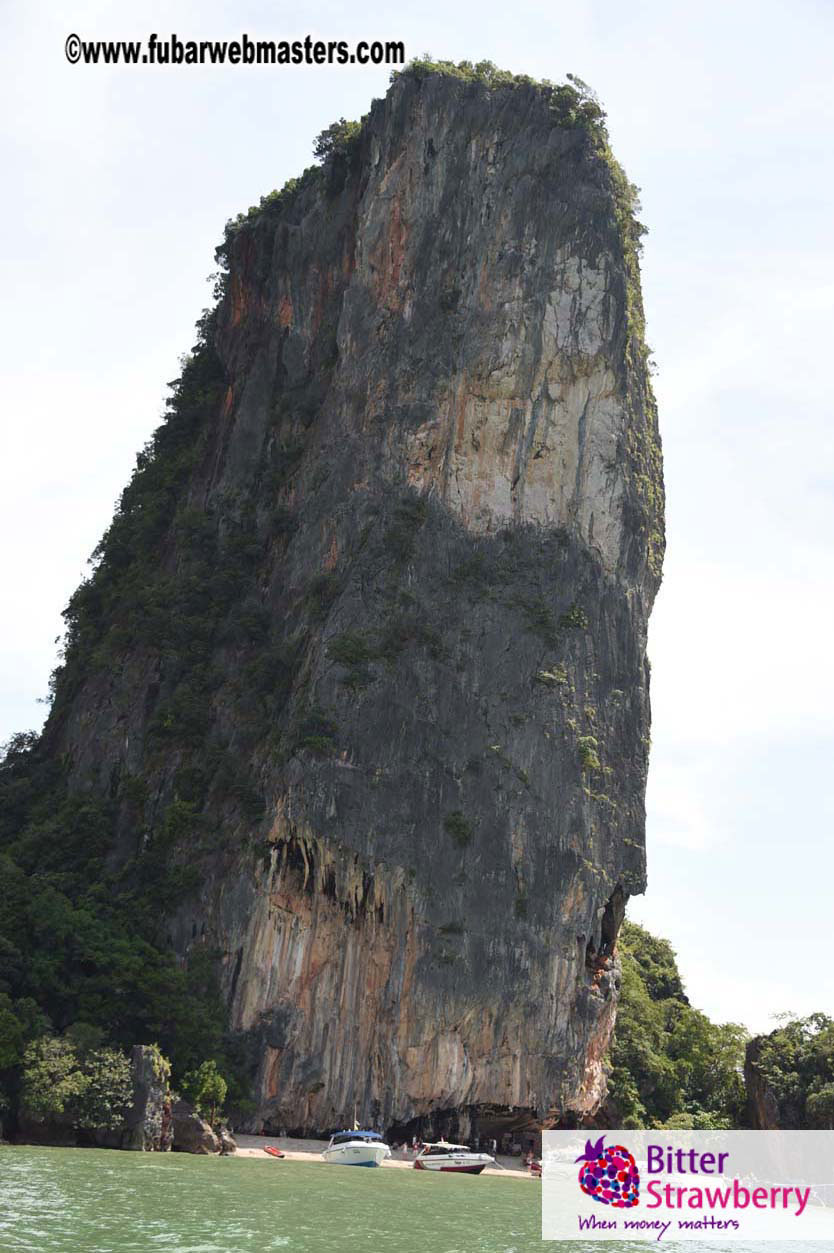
{"type": "Point", "coordinates": [457, 1158]}
{"type": "Point", "coordinates": [356, 1148]}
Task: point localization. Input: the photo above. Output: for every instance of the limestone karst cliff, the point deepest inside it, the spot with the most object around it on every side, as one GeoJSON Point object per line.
{"type": "Point", "coordinates": [361, 670]}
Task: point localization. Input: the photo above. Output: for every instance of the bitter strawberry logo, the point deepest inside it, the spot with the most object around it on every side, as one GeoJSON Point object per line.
{"type": "Point", "coordinates": [609, 1175]}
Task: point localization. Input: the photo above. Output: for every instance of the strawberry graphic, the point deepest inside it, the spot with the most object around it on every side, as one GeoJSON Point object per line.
{"type": "Point", "coordinates": [609, 1175]}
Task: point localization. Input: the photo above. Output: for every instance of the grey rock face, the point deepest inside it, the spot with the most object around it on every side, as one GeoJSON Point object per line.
{"type": "Point", "coordinates": [147, 1125]}
{"type": "Point", "coordinates": [438, 427]}
{"type": "Point", "coordinates": [763, 1112]}
{"type": "Point", "coordinates": [191, 1133]}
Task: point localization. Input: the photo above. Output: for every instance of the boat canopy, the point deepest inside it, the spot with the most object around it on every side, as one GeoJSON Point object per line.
{"type": "Point", "coordinates": [341, 1137]}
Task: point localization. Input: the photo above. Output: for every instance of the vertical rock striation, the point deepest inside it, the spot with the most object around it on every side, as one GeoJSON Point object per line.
{"type": "Point", "coordinates": [147, 1123]}
{"type": "Point", "coordinates": [414, 489]}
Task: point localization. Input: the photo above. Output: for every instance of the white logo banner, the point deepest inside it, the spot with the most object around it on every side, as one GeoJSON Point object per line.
{"type": "Point", "coordinates": [688, 1185]}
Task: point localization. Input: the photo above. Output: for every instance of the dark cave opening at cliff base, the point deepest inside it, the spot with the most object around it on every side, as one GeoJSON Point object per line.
{"type": "Point", "coordinates": [512, 1128]}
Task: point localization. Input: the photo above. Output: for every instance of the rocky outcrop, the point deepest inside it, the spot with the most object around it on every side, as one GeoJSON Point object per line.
{"type": "Point", "coordinates": [146, 1125]}
{"type": "Point", "coordinates": [148, 1122]}
{"type": "Point", "coordinates": [763, 1111]}
{"type": "Point", "coordinates": [401, 742]}
{"type": "Point", "coordinates": [191, 1133]}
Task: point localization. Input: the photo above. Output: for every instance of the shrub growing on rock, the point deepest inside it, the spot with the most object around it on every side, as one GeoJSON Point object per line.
{"type": "Point", "coordinates": [206, 1089]}
{"type": "Point", "coordinates": [336, 139]}
{"type": "Point", "coordinates": [459, 827]}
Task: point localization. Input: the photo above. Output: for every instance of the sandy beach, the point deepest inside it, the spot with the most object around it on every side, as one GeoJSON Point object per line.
{"type": "Point", "coordinates": [310, 1151]}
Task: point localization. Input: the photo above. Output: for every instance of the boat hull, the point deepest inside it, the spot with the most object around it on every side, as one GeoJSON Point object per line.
{"type": "Point", "coordinates": [473, 1168]}
{"type": "Point", "coordinates": [357, 1154]}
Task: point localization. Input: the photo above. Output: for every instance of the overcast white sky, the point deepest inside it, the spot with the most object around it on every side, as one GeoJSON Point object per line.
{"type": "Point", "coordinates": [117, 182]}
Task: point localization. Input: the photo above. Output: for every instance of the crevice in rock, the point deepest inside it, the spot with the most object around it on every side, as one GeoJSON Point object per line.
{"type": "Point", "coordinates": [600, 950]}
{"type": "Point", "coordinates": [318, 870]}
{"type": "Point", "coordinates": [612, 920]}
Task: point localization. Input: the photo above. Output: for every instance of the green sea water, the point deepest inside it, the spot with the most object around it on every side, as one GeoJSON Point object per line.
{"type": "Point", "coordinates": [99, 1201]}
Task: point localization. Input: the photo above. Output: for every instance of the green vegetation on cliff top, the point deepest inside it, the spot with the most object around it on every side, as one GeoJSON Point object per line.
{"type": "Point", "coordinates": [575, 105]}
{"type": "Point", "coordinates": [572, 103]}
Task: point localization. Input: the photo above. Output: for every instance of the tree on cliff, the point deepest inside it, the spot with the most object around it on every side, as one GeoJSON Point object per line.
{"type": "Point", "coordinates": [337, 138]}
{"type": "Point", "coordinates": [206, 1089]}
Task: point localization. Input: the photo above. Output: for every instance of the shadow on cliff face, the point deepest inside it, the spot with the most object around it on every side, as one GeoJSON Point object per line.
{"type": "Point", "coordinates": [458, 756]}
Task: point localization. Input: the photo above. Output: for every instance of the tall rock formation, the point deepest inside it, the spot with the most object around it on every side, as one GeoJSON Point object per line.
{"type": "Point", "coordinates": [362, 665]}
{"type": "Point", "coordinates": [763, 1112]}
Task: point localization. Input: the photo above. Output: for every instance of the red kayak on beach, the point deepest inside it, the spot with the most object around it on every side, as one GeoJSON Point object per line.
{"type": "Point", "coordinates": [273, 1152]}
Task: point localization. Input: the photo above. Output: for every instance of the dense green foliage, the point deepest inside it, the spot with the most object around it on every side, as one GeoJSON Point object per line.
{"type": "Point", "coordinates": [206, 1089]}
{"type": "Point", "coordinates": [80, 937]}
{"type": "Point", "coordinates": [84, 1087]}
{"type": "Point", "coordinates": [588, 747]}
{"type": "Point", "coordinates": [78, 942]}
{"type": "Point", "coordinates": [671, 1066]}
{"type": "Point", "coordinates": [337, 139]}
{"type": "Point", "coordinates": [796, 1061]}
